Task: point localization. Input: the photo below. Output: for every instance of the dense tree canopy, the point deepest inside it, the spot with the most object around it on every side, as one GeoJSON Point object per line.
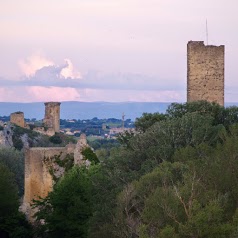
{"type": "Point", "coordinates": [12, 223]}
{"type": "Point", "coordinates": [176, 176]}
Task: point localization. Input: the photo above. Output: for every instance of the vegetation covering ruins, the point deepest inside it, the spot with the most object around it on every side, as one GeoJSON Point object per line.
{"type": "Point", "coordinates": [175, 176]}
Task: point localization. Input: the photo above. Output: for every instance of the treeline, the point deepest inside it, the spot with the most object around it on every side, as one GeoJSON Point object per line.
{"type": "Point", "coordinates": [176, 176]}
{"type": "Point", "coordinates": [13, 223]}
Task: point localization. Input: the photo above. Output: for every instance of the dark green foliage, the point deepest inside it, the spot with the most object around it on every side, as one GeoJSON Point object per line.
{"type": "Point", "coordinates": [1, 128]}
{"type": "Point", "coordinates": [60, 139]}
{"type": "Point", "coordinates": [196, 196]}
{"type": "Point", "coordinates": [31, 136]}
{"type": "Point", "coordinates": [16, 226]}
{"type": "Point", "coordinates": [12, 222]}
{"type": "Point", "coordinates": [220, 115]}
{"type": "Point", "coordinates": [32, 126]}
{"type": "Point", "coordinates": [89, 154]}
{"type": "Point", "coordinates": [35, 139]}
{"type": "Point", "coordinates": [147, 120]}
{"type": "Point", "coordinates": [176, 176]}
{"type": "Point", "coordinates": [55, 139]}
{"type": "Point", "coordinates": [103, 147]}
{"type": "Point", "coordinates": [19, 131]}
{"type": "Point", "coordinates": [125, 137]}
{"type": "Point", "coordinates": [8, 196]}
{"type": "Point", "coordinates": [17, 142]}
{"type": "Point", "coordinates": [67, 209]}
{"type": "Point", "coordinates": [14, 160]}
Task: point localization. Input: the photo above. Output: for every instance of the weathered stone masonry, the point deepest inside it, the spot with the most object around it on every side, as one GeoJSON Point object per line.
{"type": "Point", "coordinates": [17, 118]}
{"type": "Point", "coordinates": [205, 72]}
{"type": "Point", "coordinates": [38, 178]}
{"type": "Point", "coordinates": [52, 115]}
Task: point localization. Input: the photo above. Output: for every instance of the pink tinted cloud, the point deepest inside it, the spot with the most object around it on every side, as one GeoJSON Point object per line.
{"type": "Point", "coordinates": [38, 94]}
{"type": "Point", "coordinates": [42, 94]}
{"type": "Point", "coordinates": [13, 94]}
{"type": "Point", "coordinates": [37, 61]}
{"type": "Point", "coordinates": [70, 71]}
{"type": "Point", "coordinates": [33, 63]}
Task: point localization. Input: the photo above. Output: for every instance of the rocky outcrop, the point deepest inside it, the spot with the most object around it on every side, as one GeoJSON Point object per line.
{"type": "Point", "coordinates": [6, 136]}
{"type": "Point", "coordinates": [81, 144]}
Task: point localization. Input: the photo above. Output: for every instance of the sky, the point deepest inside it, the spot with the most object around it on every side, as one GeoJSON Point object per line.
{"type": "Point", "coordinates": [109, 50]}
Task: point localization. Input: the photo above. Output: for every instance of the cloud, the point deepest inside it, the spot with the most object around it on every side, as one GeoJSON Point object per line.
{"type": "Point", "coordinates": [31, 64]}
{"type": "Point", "coordinates": [38, 94]}
{"type": "Point", "coordinates": [38, 66]}
{"type": "Point", "coordinates": [69, 71]}
{"type": "Point", "coordinates": [53, 94]}
{"type": "Point", "coordinates": [40, 71]}
{"type": "Point", "coordinates": [51, 76]}
{"type": "Point", "coordinates": [43, 94]}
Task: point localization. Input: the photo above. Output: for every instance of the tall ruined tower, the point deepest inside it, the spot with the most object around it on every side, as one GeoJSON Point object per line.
{"type": "Point", "coordinates": [52, 115]}
{"type": "Point", "coordinates": [205, 72]}
{"type": "Point", "coordinates": [18, 119]}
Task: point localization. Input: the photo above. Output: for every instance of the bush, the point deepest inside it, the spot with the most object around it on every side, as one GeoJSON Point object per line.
{"type": "Point", "coordinates": [55, 139]}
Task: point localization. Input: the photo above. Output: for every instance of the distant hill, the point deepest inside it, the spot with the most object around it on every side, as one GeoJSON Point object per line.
{"type": "Point", "coordinates": [88, 110]}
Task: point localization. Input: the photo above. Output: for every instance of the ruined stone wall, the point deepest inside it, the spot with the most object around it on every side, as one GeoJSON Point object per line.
{"type": "Point", "coordinates": [38, 180]}
{"type": "Point", "coordinates": [39, 164]}
{"type": "Point", "coordinates": [6, 136]}
{"type": "Point", "coordinates": [17, 118]}
{"type": "Point", "coordinates": [205, 72]}
{"type": "Point", "coordinates": [41, 130]}
{"type": "Point", "coordinates": [52, 115]}
{"type": "Point", "coordinates": [81, 144]}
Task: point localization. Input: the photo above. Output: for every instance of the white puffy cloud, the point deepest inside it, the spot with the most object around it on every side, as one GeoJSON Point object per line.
{"type": "Point", "coordinates": [39, 67]}
{"type": "Point", "coordinates": [69, 71]}
{"type": "Point", "coordinates": [31, 64]}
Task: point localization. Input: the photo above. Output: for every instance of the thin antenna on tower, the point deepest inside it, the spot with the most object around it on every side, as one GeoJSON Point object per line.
{"type": "Point", "coordinates": [206, 31]}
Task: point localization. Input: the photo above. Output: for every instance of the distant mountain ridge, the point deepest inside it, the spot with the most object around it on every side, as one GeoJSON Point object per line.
{"type": "Point", "coordinates": [89, 110]}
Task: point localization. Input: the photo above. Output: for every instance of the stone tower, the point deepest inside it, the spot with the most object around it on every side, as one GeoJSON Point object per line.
{"type": "Point", "coordinates": [52, 115]}
{"type": "Point", "coordinates": [205, 72]}
{"type": "Point", "coordinates": [17, 118]}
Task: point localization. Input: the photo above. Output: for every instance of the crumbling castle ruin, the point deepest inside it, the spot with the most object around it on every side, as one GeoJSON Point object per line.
{"type": "Point", "coordinates": [52, 115]}
{"type": "Point", "coordinates": [41, 167]}
{"type": "Point", "coordinates": [38, 180]}
{"type": "Point", "coordinates": [17, 118]}
{"type": "Point", "coordinates": [205, 72]}
{"type": "Point", "coordinates": [51, 120]}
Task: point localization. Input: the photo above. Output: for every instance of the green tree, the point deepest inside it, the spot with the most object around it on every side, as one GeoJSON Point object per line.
{"type": "Point", "coordinates": [14, 160]}
{"type": "Point", "coordinates": [55, 139]}
{"type": "Point", "coordinates": [12, 222]}
{"type": "Point", "coordinates": [147, 120]}
{"type": "Point", "coordinates": [8, 196]}
{"type": "Point", "coordinates": [89, 154]}
{"type": "Point", "coordinates": [67, 208]}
